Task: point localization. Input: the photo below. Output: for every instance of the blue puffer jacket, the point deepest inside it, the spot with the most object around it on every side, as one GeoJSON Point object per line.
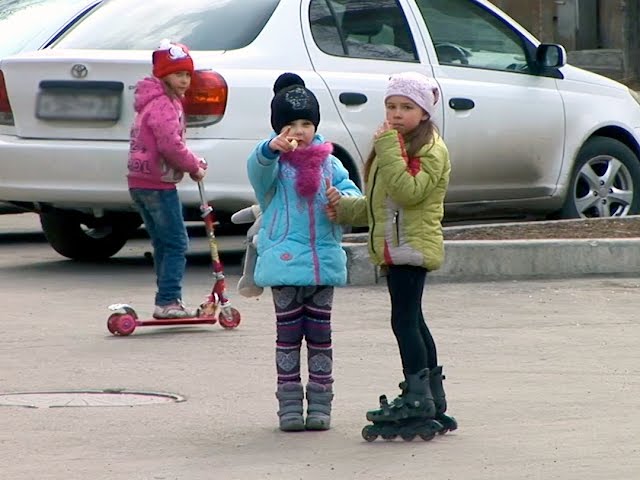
{"type": "Point", "coordinates": [297, 243]}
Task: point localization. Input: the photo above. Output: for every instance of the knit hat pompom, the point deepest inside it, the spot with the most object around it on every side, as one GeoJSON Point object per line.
{"type": "Point", "coordinates": [293, 101]}
{"type": "Point", "coordinates": [287, 80]}
{"type": "Point", "coordinates": [171, 58]}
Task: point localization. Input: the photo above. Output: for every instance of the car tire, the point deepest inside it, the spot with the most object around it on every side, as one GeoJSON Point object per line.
{"type": "Point", "coordinates": [67, 235]}
{"type": "Point", "coordinates": [591, 194]}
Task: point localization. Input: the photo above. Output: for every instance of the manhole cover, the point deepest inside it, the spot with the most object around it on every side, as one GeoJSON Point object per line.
{"type": "Point", "coordinates": [86, 398]}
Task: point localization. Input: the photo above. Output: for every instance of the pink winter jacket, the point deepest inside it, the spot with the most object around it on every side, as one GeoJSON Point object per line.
{"type": "Point", "coordinates": [158, 155]}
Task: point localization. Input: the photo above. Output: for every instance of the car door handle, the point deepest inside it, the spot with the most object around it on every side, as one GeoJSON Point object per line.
{"type": "Point", "coordinates": [461, 103]}
{"type": "Point", "coordinates": [352, 98]}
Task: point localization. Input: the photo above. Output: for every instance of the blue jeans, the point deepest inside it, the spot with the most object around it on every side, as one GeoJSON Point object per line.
{"type": "Point", "coordinates": [161, 211]}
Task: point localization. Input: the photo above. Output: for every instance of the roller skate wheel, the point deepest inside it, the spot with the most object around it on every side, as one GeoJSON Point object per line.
{"type": "Point", "coordinates": [111, 323]}
{"type": "Point", "coordinates": [389, 436]}
{"type": "Point", "coordinates": [408, 437]}
{"type": "Point", "coordinates": [125, 325]}
{"type": "Point", "coordinates": [449, 425]}
{"type": "Point", "coordinates": [230, 318]}
{"type": "Point", "coordinates": [368, 434]}
{"type": "Point", "coordinates": [427, 436]}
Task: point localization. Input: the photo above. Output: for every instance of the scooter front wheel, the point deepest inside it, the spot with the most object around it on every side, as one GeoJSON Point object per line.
{"type": "Point", "coordinates": [229, 318]}
{"type": "Point", "coordinates": [125, 325]}
{"type": "Point", "coordinates": [111, 323]}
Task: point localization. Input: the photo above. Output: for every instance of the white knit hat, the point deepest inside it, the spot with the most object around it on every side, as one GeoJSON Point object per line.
{"type": "Point", "coordinates": [421, 89]}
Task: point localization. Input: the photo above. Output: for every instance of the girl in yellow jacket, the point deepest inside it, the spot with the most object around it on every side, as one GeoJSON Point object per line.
{"type": "Point", "coordinates": [406, 175]}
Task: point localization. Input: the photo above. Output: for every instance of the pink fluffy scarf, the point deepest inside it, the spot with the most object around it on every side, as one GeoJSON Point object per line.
{"type": "Point", "coordinates": [307, 163]}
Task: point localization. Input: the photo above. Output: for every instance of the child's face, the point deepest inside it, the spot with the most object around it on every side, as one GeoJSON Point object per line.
{"type": "Point", "coordinates": [404, 114]}
{"type": "Point", "coordinates": [302, 130]}
{"type": "Point", "coordinates": [179, 82]}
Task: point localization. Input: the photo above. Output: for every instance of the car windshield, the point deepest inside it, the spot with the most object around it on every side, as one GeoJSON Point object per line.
{"type": "Point", "coordinates": [27, 24]}
{"type": "Point", "coordinates": [199, 24]}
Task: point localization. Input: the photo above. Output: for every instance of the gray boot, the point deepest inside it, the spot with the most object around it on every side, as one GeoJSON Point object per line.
{"type": "Point", "coordinates": [290, 397]}
{"type": "Point", "coordinates": [435, 380]}
{"type": "Point", "coordinates": [319, 399]}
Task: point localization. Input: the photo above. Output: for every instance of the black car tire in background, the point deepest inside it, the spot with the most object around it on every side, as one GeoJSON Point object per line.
{"type": "Point", "coordinates": [594, 190]}
{"type": "Point", "coordinates": [71, 236]}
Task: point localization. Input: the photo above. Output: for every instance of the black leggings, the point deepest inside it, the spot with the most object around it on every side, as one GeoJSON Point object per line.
{"type": "Point", "coordinates": [417, 348]}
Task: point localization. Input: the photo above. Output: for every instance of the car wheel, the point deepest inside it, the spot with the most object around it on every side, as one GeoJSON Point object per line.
{"type": "Point", "coordinates": [79, 239]}
{"type": "Point", "coordinates": [605, 181]}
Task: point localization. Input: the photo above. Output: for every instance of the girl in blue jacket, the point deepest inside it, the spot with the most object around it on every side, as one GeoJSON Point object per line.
{"type": "Point", "coordinates": [299, 249]}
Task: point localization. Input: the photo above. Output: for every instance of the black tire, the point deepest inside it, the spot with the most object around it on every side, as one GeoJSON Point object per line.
{"type": "Point", "coordinates": [594, 195]}
{"type": "Point", "coordinates": [67, 235]}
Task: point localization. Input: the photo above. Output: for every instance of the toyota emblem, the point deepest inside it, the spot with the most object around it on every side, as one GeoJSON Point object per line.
{"type": "Point", "coordinates": [79, 71]}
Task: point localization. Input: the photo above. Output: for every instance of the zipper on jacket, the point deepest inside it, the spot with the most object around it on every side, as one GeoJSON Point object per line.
{"type": "Point", "coordinates": [373, 218]}
{"type": "Point", "coordinates": [314, 242]}
{"type": "Point", "coordinates": [396, 229]}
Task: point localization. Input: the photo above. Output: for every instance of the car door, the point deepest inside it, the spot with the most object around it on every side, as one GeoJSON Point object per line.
{"type": "Point", "coordinates": [503, 123]}
{"type": "Point", "coordinates": [354, 45]}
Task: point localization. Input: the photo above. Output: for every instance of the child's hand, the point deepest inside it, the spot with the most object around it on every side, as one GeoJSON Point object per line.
{"type": "Point", "coordinates": [385, 127]}
{"type": "Point", "coordinates": [281, 142]}
{"type": "Point", "coordinates": [333, 198]}
{"type": "Point", "coordinates": [199, 175]}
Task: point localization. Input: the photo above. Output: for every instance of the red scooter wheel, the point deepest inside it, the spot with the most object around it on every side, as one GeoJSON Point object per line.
{"type": "Point", "coordinates": [125, 325]}
{"type": "Point", "coordinates": [231, 319]}
{"type": "Point", "coordinates": [111, 323]}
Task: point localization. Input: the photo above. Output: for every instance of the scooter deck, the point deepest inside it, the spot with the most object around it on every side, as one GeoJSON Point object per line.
{"type": "Point", "coordinates": [175, 321]}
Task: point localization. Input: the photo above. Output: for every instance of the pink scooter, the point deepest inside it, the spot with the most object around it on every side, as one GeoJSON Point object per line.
{"type": "Point", "coordinates": [216, 307]}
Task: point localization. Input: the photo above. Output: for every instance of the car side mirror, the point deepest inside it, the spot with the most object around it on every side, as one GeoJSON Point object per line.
{"type": "Point", "coordinates": [551, 55]}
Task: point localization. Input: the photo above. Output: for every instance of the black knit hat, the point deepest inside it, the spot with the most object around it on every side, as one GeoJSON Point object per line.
{"type": "Point", "coordinates": [292, 101]}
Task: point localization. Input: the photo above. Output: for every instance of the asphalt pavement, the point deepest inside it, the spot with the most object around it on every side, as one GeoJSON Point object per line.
{"type": "Point", "coordinates": [542, 375]}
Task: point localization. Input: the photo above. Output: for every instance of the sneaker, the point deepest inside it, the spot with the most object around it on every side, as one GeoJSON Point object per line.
{"type": "Point", "coordinates": [174, 310]}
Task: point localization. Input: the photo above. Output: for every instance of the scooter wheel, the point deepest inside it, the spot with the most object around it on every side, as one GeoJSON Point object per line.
{"type": "Point", "coordinates": [112, 322]}
{"type": "Point", "coordinates": [229, 320]}
{"type": "Point", "coordinates": [125, 325]}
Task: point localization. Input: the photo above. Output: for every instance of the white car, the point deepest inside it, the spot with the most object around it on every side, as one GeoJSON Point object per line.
{"type": "Point", "coordinates": [527, 133]}
{"type": "Point", "coordinates": [27, 25]}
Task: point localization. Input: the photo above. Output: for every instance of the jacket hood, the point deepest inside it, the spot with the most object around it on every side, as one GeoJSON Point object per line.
{"type": "Point", "coordinates": [147, 90]}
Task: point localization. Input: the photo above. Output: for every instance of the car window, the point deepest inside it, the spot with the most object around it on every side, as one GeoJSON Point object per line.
{"type": "Point", "coordinates": [27, 24]}
{"type": "Point", "coordinates": [199, 24]}
{"type": "Point", "coordinates": [375, 29]}
{"type": "Point", "coordinates": [467, 35]}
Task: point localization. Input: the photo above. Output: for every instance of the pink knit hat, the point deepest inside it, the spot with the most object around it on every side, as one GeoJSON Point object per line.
{"type": "Point", "coordinates": [421, 89]}
{"type": "Point", "coordinates": [171, 58]}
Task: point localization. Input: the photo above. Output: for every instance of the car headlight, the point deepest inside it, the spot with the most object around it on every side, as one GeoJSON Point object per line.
{"type": "Point", "coordinates": [635, 95]}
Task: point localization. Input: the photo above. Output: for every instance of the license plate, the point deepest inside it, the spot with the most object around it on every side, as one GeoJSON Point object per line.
{"type": "Point", "coordinates": [81, 103]}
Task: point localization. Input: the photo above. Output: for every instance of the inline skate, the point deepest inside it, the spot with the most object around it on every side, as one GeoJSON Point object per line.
{"type": "Point", "coordinates": [449, 424]}
{"type": "Point", "coordinates": [411, 414]}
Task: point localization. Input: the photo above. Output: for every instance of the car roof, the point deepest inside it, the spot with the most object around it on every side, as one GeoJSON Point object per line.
{"type": "Point", "coordinates": [27, 25]}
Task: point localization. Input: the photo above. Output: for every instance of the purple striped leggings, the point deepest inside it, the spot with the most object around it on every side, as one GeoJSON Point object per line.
{"type": "Point", "coordinates": [303, 312]}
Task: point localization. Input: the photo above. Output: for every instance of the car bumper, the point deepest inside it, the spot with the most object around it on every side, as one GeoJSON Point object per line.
{"type": "Point", "coordinates": [92, 174]}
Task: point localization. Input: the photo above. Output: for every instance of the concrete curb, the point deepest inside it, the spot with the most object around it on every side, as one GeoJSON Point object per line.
{"type": "Point", "coordinates": [479, 260]}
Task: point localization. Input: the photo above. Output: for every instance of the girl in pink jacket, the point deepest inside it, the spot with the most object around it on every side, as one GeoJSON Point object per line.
{"type": "Point", "coordinates": [158, 159]}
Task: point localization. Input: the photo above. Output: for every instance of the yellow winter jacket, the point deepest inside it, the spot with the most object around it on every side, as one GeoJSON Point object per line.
{"type": "Point", "coordinates": [403, 203]}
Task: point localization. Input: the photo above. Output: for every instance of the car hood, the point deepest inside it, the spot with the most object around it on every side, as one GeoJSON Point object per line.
{"type": "Point", "coordinates": [576, 74]}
